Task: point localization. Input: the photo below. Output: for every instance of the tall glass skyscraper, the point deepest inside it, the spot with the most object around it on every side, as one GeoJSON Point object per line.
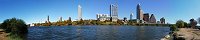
{"type": "Point", "coordinates": [113, 12]}
{"type": "Point", "coordinates": [79, 12]}
{"type": "Point", "coordinates": [139, 12]}
{"type": "Point", "coordinates": [131, 16]}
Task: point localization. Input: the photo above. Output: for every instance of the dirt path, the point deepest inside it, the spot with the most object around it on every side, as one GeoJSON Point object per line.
{"type": "Point", "coordinates": [189, 33]}
{"type": "Point", "coordinates": [3, 35]}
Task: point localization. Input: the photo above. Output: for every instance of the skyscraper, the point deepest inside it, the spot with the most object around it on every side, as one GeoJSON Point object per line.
{"type": "Point", "coordinates": [60, 19]}
{"type": "Point", "coordinates": [48, 18]}
{"type": "Point", "coordinates": [152, 19]}
{"type": "Point", "coordinates": [113, 12]}
{"type": "Point", "coordinates": [139, 12]}
{"type": "Point", "coordinates": [131, 16]}
{"type": "Point", "coordinates": [146, 17]}
{"type": "Point", "coordinates": [79, 12]}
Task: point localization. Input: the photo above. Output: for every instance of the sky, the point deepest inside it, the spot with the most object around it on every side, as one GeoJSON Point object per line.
{"type": "Point", "coordinates": [34, 11]}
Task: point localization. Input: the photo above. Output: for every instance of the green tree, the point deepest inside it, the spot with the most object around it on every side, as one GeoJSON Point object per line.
{"type": "Point", "coordinates": [69, 21]}
{"type": "Point", "coordinates": [119, 22]}
{"type": "Point", "coordinates": [173, 28]}
{"type": "Point", "coordinates": [186, 24]}
{"type": "Point", "coordinates": [15, 26]}
{"type": "Point", "coordinates": [94, 22]}
{"type": "Point", "coordinates": [180, 24]}
{"type": "Point", "coordinates": [81, 22]}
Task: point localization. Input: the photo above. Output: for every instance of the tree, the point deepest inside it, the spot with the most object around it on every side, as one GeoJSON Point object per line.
{"type": "Point", "coordinates": [81, 22]}
{"type": "Point", "coordinates": [15, 26]}
{"type": "Point", "coordinates": [69, 21]}
{"type": "Point", "coordinates": [193, 23]}
{"type": "Point", "coordinates": [186, 24]}
{"type": "Point", "coordinates": [125, 20]}
{"type": "Point", "coordinates": [173, 28]}
{"type": "Point", "coordinates": [0, 26]}
{"type": "Point", "coordinates": [94, 22]}
{"type": "Point", "coordinates": [180, 24]}
{"type": "Point", "coordinates": [119, 22]}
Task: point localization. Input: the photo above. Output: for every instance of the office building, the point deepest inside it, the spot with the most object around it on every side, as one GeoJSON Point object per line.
{"type": "Point", "coordinates": [139, 12]}
{"type": "Point", "coordinates": [103, 17]}
{"type": "Point", "coordinates": [113, 12]}
{"type": "Point", "coordinates": [79, 12]}
{"type": "Point", "coordinates": [131, 16]}
{"type": "Point", "coordinates": [146, 17]}
{"type": "Point", "coordinates": [152, 19]}
{"type": "Point", "coordinates": [60, 19]}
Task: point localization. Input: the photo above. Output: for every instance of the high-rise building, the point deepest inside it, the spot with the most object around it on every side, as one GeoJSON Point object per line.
{"type": "Point", "coordinates": [79, 12]}
{"type": "Point", "coordinates": [131, 16]}
{"type": "Point", "coordinates": [113, 12]}
{"type": "Point", "coordinates": [139, 12]}
{"type": "Point", "coordinates": [152, 19]}
{"type": "Point", "coordinates": [162, 20]}
{"type": "Point", "coordinates": [146, 17]}
{"type": "Point", "coordinates": [48, 19]}
{"type": "Point", "coordinates": [60, 19]}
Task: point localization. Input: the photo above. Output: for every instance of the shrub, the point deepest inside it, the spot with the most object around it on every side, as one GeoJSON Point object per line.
{"type": "Point", "coordinates": [15, 26]}
{"type": "Point", "coordinates": [180, 24]}
{"type": "Point", "coordinates": [173, 28]}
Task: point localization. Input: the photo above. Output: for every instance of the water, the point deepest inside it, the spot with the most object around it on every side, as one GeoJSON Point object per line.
{"type": "Point", "coordinates": [97, 33]}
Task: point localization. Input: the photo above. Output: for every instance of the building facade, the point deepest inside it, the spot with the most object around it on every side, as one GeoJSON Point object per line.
{"type": "Point", "coordinates": [79, 12]}
{"type": "Point", "coordinates": [152, 19]}
{"type": "Point", "coordinates": [113, 12]}
{"type": "Point", "coordinates": [103, 17]}
{"type": "Point", "coordinates": [146, 18]}
{"type": "Point", "coordinates": [139, 12]}
{"type": "Point", "coordinates": [131, 16]}
{"type": "Point", "coordinates": [48, 18]}
{"type": "Point", "coordinates": [60, 19]}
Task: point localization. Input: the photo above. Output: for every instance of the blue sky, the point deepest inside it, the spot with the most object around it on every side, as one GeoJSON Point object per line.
{"type": "Point", "coordinates": [34, 11]}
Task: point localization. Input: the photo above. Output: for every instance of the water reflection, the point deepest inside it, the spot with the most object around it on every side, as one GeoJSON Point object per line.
{"type": "Point", "coordinates": [97, 33]}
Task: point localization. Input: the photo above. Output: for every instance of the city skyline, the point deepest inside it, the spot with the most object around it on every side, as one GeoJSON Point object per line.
{"type": "Point", "coordinates": [34, 11]}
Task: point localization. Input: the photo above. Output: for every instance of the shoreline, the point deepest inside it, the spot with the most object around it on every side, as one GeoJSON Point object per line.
{"type": "Point", "coordinates": [184, 34]}
{"type": "Point", "coordinates": [109, 25]}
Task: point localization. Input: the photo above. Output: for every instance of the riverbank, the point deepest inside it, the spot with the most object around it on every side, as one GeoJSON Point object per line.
{"type": "Point", "coordinates": [188, 34]}
{"type": "Point", "coordinates": [3, 35]}
{"type": "Point", "coordinates": [6, 36]}
{"type": "Point", "coordinates": [184, 34]}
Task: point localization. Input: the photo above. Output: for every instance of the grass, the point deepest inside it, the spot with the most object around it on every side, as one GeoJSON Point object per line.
{"type": "Point", "coordinates": [15, 37]}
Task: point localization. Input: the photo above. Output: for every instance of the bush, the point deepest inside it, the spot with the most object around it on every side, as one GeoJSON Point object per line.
{"type": "Point", "coordinates": [14, 26]}
{"type": "Point", "coordinates": [173, 28]}
{"type": "Point", "coordinates": [180, 24]}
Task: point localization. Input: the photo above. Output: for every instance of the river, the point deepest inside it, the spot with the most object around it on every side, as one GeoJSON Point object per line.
{"type": "Point", "coordinates": [94, 32]}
